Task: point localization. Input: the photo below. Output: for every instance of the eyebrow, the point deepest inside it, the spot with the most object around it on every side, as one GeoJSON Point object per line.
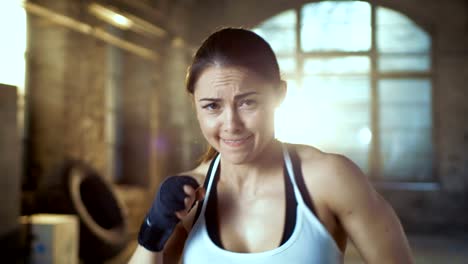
{"type": "Point", "coordinates": [237, 97]}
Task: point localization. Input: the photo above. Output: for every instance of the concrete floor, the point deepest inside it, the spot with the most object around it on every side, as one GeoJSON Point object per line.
{"type": "Point", "coordinates": [426, 250]}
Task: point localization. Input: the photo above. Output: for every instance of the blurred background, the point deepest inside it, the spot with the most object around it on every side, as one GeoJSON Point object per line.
{"type": "Point", "coordinates": [94, 113]}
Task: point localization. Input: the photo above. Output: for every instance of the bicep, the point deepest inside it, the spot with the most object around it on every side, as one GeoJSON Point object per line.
{"type": "Point", "coordinates": [368, 219]}
{"type": "Point", "coordinates": [377, 233]}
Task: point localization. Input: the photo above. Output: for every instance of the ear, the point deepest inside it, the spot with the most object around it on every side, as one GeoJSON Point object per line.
{"type": "Point", "coordinates": [282, 89]}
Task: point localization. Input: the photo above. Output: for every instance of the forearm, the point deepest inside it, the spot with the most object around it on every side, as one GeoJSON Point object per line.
{"type": "Point", "coordinates": [143, 256]}
{"type": "Point", "coordinates": [173, 201]}
{"type": "Point", "coordinates": [171, 253]}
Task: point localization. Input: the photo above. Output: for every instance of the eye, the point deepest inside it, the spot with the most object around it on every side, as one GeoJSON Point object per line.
{"type": "Point", "coordinates": [248, 103]}
{"type": "Point", "coordinates": [211, 106]}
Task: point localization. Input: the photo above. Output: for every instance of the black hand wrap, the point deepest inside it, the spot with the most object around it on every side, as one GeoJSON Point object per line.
{"type": "Point", "coordinates": [161, 219]}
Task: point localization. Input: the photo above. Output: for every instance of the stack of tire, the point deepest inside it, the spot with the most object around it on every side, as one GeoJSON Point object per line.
{"type": "Point", "coordinates": [76, 188]}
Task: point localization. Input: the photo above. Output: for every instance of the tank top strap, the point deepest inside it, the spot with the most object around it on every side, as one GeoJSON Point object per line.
{"type": "Point", "coordinates": [289, 167]}
{"type": "Point", "coordinates": [211, 177]}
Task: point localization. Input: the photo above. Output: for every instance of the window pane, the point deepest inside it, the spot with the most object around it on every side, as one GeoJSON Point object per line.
{"type": "Point", "coordinates": [285, 19]}
{"type": "Point", "coordinates": [352, 64]}
{"type": "Point", "coordinates": [291, 85]}
{"type": "Point", "coordinates": [334, 115]}
{"type": "Point", "coordinates": [344, 140]}
{"type": "Point", "coordinates": [408, 91]}
{"type": "Point", "coordinates": [361, 158]}
{"type": "Point", "coordinates": [414, 140]}
{"type": "Point", "coordinates": [287, 65]}
{"type": "Point", "coordinates": [405, 129]}
{"type": "Point", "coordinates": [280, 32]}
{"type": "Point", "coordinates": [337, 89]}
{"type": "Point", "coordinates": [351, 116]}
{"type": "Point", "coordinates": [407, 154]}
{"type": "Point", "coordinates": [328, 125]}
{"type": "Point", "coordinates": [405, 116]}
{"type": "Point", "coordinates": [404, 62]}
{"type": "Point", "coordinates": [397, 33]}
{"type": "Point", "coordinates": [330, 25]}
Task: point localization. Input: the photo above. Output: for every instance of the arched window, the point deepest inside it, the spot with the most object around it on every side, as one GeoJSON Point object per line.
{"type": "Point", "coordinates": [359, 84]}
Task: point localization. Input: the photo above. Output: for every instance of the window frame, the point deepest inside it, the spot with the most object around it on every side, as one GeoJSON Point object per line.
{"type": "Point", "coordinates": [375, 166]}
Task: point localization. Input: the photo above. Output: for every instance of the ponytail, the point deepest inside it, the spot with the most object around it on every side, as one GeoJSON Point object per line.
{"type": "Point", "coordinates": [209, 155]}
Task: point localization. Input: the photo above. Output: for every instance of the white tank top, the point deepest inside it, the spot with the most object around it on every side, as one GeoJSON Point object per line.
{"type": "Point", "coordinates": [309, 242]}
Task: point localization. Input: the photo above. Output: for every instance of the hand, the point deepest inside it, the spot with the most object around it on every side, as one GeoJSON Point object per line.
{"type": "Point", "coordinates": [175, 198]}
{"type": "Point", "coordinates": [193, 195]}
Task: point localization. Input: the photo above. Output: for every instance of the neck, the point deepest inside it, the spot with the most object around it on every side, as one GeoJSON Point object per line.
{"type": "Point", "coordinates": [248, 177]}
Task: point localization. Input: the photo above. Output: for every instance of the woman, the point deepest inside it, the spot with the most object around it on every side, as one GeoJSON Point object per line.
{"type": "Point", "coordinates": [262, 201]}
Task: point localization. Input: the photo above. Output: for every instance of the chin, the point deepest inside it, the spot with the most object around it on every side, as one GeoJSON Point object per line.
{"type": "Point", "coordinates": [236, 161]}
{"type": "Point", "coordinates": [236, 158]}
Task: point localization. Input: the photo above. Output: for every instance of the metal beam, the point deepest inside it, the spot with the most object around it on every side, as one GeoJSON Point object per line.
{"type": "Point", "coordinates": [87, 29]}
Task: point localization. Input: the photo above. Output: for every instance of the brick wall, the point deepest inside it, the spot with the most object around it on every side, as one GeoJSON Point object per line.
{"type": "Point", "coordinates": [124, 115]}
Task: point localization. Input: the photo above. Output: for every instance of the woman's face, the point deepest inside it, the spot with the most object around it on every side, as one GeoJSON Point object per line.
{"type": "Point", "coordinates": [235, 109]}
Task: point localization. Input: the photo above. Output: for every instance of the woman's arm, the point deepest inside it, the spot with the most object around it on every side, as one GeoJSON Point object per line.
{"type": "Point", "coordinates": [367, 218]}
{"type": "Point", "coordinates": [162, 229]}
{"type": "Point", "coordinates": [171, 253]}
{"type": "Point", "coordinates": [174, 246]}
{"type": "Point", "coordinates": [142, 255]}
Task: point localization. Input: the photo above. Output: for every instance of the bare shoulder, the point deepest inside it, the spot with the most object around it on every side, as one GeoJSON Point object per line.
{"type": "Point", "coordinates": [341, 176]}
{"type": "Point", "coordinates": [345, 191]}
{"type": "Point", "coordinates": [330, 167]}
{"type": "Point", "coordinates": [199, 172]}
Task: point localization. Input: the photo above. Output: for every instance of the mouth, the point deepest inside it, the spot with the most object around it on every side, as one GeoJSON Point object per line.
{"type": "Point", "coordinates": [236, 142]}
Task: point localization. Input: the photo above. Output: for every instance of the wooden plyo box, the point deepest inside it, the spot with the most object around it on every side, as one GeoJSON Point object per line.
{"type": "Point", "coordinates": [55, 238]}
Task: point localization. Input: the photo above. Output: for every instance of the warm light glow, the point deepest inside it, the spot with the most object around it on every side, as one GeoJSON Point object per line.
{"type": "Point", "coordinates": [121, 20]}
{"type": "Point", "coordinates": [13, 44]}
{"type": "Point", "coordinates": [110, 16]}
{"type": "Point", "coordinates": [177, 42]}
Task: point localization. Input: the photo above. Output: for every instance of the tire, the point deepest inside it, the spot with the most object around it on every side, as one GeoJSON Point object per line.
{"type": "Point", "coordinates": [76, 188]}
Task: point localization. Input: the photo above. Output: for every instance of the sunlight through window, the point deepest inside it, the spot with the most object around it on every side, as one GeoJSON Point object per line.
{"type": "Point", "coordinates": [345, 95]}
{"type": "Point", "coordinates": [13, 44]}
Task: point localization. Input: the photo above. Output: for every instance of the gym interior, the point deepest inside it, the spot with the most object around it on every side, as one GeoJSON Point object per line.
{"type": "Point", "coordinates": [94, 112]}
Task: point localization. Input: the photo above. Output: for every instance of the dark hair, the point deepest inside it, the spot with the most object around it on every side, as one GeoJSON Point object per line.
{"type": "Point", "coordinates": [233, 47]}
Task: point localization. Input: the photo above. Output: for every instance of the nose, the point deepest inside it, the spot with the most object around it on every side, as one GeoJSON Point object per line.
{"type": "Point", "coordinates": [232, 122]}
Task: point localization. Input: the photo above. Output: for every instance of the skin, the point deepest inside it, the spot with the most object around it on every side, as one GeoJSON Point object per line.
{"type": "Point", "coordinates": [235, 111]}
